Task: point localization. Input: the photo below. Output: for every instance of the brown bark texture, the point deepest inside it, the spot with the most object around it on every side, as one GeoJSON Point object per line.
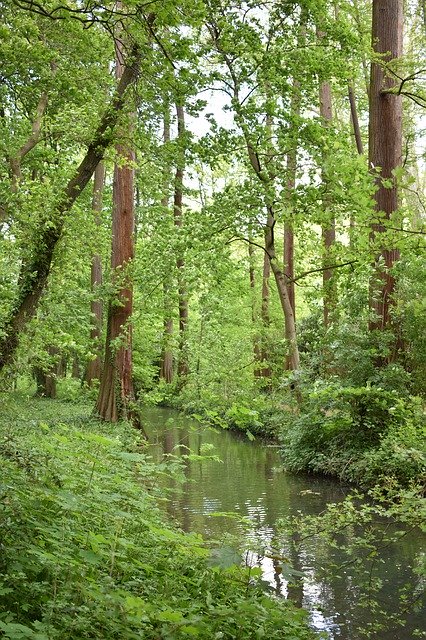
{"type": "Point", "coordinates": [183, 364]}
{"type": "Point", "coordinates": [94, 367]}
{"type": "Point", "coordinates": [116, 392]}
{"type": "Point", "coordinates": [291, 184]}
{"type": "Point", "coordinates": [328, 229]}
{"type": "Point", "coordinates": [35, 272]}
{"type": "Point", "coordinates": [385, 151]}
{"type": "Point", "coordinates": [166, 364]}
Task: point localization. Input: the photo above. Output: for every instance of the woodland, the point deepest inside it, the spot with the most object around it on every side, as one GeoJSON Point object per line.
{"type": "Point", "coordinates": [217, 207]}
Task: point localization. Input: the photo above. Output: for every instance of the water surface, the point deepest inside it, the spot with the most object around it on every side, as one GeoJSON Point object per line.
{"type": "Point", "coordinates": [249, 482]}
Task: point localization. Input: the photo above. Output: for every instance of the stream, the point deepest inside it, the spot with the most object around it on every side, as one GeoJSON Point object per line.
{"type": "Point", "coordinates": [248, 481]}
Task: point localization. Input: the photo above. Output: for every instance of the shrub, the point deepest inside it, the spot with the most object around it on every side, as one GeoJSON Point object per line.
{"type": "Point", "coordinates": [341, 430]}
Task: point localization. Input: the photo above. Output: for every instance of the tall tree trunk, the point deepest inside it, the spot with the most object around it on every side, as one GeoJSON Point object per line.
{"type": "Point", "coordinates": [166, 365]}
{"type": "Point", "coordinates": [295, 109]}
{"type": "Point", "coordinates": [94, 367]}
{"type": "Point", "coordinates": [116, 392]}
{"type": "Point", "coordinates": [35, 272]}
{"type": "Point", "coordinates": [328, 228]}
{"type": "Point", "coordinates": [385, 151]}
{"type": "Point", "coordinates": [183, 365]}
{"type": "Point", "coordinates": [291, 184]}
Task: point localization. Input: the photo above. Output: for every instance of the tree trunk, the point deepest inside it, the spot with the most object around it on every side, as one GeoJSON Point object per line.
{"type": "Point", "coordinates": [295, 108]}
{"type": "Point", "coordinates": [94, 367]}
{"type": "Point", "coordinates": [46, 378]}
{"type": "Point", "coordinates": [166, 366]}
{"type": "Point", "coordinates": [291, 184]}
{"type": "Point", "coordinates": [256, 337]}
{"type": "Point", "coordinates": [354, 119]}
{"type": "Point", "coordinates": [385, 151]}
{"type": "Point", "coordinates": [328, 229]}
{"type": "Point", "coordinates": [183, 365]}
{"type": "Point", "coordinates": [265, 371]}
{"type": "Point", "coordinates": [116, 392]}
{"type": "Point", "coordinates": [35, 272]}
{"type": "Point", "coordinates": [281, 282]}
{"type": "Point", "coordinates": [359, 147]}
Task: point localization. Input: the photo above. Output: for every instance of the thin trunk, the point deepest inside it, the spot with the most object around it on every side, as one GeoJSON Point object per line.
{"type": "Point", "coordinates": [183, 366]}
{"type": "Point", "coordinates": [35, 272]}
{"type": "Point", "coordinates": [281, 282]}
{"type": "Point", "coordinates": [354, 119]}
{"type": "Point", "coordinates": [94, 367]}
{"type": "Point", "coordinates": [116, 392]}
{"type": "Point", "coordinates": [264, 314]}
{"type": "Point", "coordinates": [254, 318]}
{"type": "Point", "coordinates": [16, 160]}
{"type": "Point", "coordinates": [166, 366]}
{"type": "Point", "coordinates": [329, 227]}
{"type": "Point", "coordinates": [359, 146]}
{"type": "Point", "coordinates": [385, 151]}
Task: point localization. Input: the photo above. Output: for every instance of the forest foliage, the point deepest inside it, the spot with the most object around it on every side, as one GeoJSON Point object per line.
{"type": "Point", "coordinates": [252, 252]}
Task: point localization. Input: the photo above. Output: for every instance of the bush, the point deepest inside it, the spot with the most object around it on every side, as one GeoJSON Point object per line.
{"type": "Point", "coordinates": [349, 431]}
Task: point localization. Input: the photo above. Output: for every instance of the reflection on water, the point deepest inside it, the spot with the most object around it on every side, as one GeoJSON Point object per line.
{"type": "Point", "coordinates": [247, 481]}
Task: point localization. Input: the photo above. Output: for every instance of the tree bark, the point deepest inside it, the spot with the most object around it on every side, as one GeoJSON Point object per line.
{"type": "Point", "coordinates": [265, 370]}
{"type": "Point", "coordinates": [281, 282]}
{"type": "Point", "coordinates": [254, 318]}
{"type": "Point", "coordinates": [354, 119]}
{"type": "Point", "coordinates": [94, 367]}
{"type": "Point", "coordinates": [166, 365]}
{"type": "Point", "coordinates": [183, 364]}
{"type": "Point", "coordinates": [291, 184]}
{"type": "Point", "coordinates": [116, 393]}
{"type": "Point", "coordinates": [35, 272]}
{"type": "Point", "coordinates": [295, 109]}
{"type": "Point", "coordinates": [328, 228]}
{"type": "Point", "coordinates": [385, 151]}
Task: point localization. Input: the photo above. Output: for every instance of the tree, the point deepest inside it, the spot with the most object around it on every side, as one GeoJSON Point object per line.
{"type": "Point", "coordinates": [36, 268]}
{"type": "Point", "coordinates": [116, 393]}
{"type": "Point", "coordinates": [183, 364]}
{"type": "Point", "coordinates": [385, 151]}
{"type": "Point", "coordinates": [94, 367]}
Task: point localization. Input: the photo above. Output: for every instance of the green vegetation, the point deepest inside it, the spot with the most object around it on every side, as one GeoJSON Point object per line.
{"type": "Point", "coordinates": [216, 206]}
{"type": "Point", "coordinates": [86, 554]}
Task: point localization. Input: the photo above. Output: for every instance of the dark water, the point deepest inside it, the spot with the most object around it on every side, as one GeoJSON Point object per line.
{"type": "Point", "coordinates": [248, 481]}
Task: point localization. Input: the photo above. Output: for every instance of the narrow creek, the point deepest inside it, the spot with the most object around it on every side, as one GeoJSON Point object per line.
{"type": "Point", "coordinates": [248, 481]}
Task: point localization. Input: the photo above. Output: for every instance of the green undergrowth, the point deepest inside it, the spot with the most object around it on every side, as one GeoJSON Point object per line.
{"type": "Point", "coordinates": [85, 553]}
{"type": "Point", "coordinates": [365, 435]}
